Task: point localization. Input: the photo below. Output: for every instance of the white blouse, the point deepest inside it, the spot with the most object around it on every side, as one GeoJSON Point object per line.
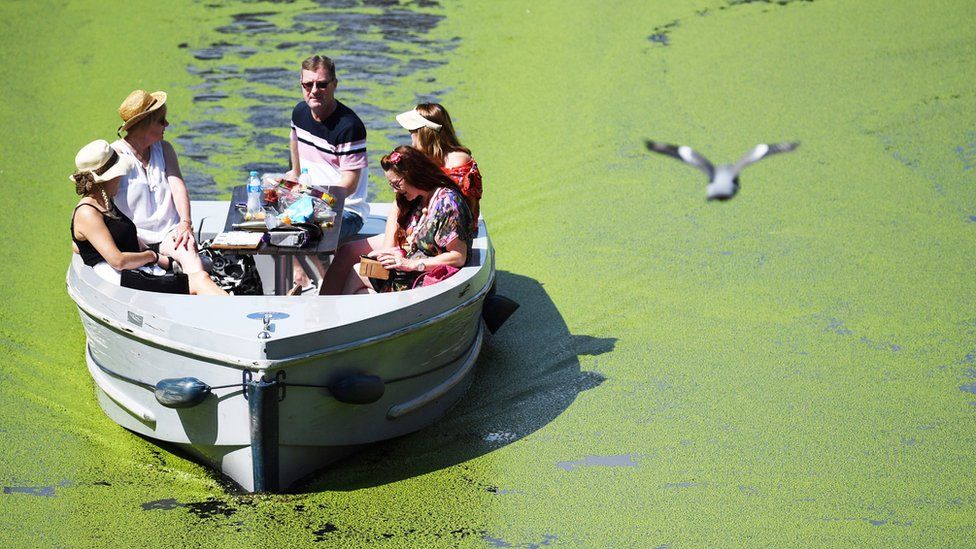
{"type": "Point", "coordinates": [144, 194]}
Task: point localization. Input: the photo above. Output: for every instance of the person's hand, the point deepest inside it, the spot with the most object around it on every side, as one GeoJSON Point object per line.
{"type": "Point", "coordinates": [183, 235]}
{"type": "Point", "coordinates": [391, 259]}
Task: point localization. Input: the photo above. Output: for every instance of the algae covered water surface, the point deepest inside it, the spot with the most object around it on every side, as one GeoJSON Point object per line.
{"type": "Point", "coordinates": [792, 367]}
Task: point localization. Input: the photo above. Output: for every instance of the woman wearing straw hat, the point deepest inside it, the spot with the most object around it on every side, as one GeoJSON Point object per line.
{"type": "Point", "coordinates": [106, 238]}
{"type": "Point", "coordinates": [153, 193]}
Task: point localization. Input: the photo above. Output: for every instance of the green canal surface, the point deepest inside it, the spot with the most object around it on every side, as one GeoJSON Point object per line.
{"type": "Point", "coordinates": [795, 367]}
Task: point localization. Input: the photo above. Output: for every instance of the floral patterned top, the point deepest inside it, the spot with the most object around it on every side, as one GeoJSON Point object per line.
{"type": "Point", "coordinates": [468, 178]}
{"type": "Point", "coordinates": [429, 231]}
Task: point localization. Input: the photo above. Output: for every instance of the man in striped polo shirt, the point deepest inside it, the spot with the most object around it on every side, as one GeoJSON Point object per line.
{"type": "Point", "coordinates": [330, 140]}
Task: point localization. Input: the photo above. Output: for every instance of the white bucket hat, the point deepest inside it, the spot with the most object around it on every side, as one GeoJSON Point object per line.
{"type": "Point", "coordinates": [101, 161]}
{"type": "Point", "coordinates": [413, 120]}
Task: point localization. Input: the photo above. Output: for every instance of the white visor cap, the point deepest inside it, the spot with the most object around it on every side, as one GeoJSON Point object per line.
{"type": "Point", "coordinates": [413, 120]}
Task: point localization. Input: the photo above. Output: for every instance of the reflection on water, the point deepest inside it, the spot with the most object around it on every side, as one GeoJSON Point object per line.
{"type": "Point", "coordinates": [248, 79]}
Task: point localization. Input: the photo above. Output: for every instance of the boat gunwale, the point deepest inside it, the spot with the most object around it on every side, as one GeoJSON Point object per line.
{"type": "Point", "coordinates": [278, 363]}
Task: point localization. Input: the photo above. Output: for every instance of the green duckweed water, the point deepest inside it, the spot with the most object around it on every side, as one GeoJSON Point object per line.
{"type": "Point", "coordinates": [794, 367]}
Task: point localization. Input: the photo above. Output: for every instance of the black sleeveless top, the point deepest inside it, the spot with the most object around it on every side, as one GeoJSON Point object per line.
{"type": "Point", "coordinates": [122, 229]}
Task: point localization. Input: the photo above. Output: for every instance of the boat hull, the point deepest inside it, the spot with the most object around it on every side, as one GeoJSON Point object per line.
{"type": "Point", "coordinates": [272, 414]}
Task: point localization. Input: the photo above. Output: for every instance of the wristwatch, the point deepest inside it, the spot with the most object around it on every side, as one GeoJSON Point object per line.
{"type": "Point", "coordinates": [421, 267]}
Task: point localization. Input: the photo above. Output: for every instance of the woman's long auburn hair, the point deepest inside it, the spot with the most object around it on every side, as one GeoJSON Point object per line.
{"type": "Point", "coordinates": [437, 144]}
{"type": "Point", "coordinates": [419, 172]}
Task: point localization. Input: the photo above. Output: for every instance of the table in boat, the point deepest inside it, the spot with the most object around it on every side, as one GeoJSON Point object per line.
{"type": "Point", "coordinates": [283, 256]}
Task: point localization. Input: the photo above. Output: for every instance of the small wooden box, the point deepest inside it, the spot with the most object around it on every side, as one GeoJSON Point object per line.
{"type": "Point", "coordinates": [371, 268]}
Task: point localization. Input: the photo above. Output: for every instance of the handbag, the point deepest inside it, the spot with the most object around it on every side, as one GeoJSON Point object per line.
{"type": "Point", "coordinates": [435, 275]}
{"type": "Point", "coordinates": [169, 283]}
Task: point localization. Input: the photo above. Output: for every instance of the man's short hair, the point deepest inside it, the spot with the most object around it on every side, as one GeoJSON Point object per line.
{"type": "Point", "coordinates": [317, 62]}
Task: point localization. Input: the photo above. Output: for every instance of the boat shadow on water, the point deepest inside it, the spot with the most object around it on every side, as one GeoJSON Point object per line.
{"type": "Point", "coordinates": [527, 375]}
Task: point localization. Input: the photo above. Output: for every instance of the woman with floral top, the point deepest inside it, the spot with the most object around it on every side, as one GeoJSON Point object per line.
{"type": "Point", "coordinates": [432, 227]}
{"type": "Point", "coordinates": [431, 132]}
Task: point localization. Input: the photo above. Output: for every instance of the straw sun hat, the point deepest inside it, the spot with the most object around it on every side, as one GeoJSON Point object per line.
{"type": "Point", "coordinates": [98, 162]}
{"type": "Point", "coordinates": [138, 105]}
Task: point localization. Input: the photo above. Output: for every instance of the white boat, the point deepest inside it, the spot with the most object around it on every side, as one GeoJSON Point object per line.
{"type": "Point", "coordinates": [268, 389]}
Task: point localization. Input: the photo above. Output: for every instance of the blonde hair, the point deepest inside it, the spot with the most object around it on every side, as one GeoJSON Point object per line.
{"type": "Point", "coordinates": [85, 185]}
{"type": "Point", "coordinates": [437, 144]}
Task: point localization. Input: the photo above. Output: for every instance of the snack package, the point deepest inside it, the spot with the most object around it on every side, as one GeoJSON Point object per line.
{"type": "Point", "coordinates": [321, 211]}
{"type": "Point", "coordinates": [298, 211]}
{"type": "Point", "coordinates": [322, 194]}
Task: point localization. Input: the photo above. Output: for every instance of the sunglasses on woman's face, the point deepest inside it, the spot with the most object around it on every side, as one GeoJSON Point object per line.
{"type": "Point", "coordinates": [396, 184]}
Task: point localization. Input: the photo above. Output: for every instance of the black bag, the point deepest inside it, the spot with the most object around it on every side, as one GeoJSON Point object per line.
{"type": "Point", "coordinates": [169, 283]}
{"type": "Point", "coordinates": [236, 274]}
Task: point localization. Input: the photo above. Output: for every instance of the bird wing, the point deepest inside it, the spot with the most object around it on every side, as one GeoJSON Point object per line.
{"type": "Point", "coordinates": [761, 151]}
{"type": "Point", "coordinates": [683, 153]}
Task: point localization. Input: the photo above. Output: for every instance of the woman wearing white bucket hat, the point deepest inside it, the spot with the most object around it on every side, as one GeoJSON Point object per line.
{"type": "Point", "coordinates": [153, 193]}
{"type": "Point", "coordinates": [106, 239]}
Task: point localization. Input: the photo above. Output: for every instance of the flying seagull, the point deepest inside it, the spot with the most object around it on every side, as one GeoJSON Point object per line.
{"type": "Point", "coordinates": [723, 181]}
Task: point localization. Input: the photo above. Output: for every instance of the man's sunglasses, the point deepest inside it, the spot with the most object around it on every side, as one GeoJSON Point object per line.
{"type": "Point", "coordinates": [321, 84]}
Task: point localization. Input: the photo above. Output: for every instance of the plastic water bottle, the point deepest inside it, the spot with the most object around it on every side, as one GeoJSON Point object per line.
{"type": "Point", "coordinates": [305, 180]}
{"type": "Point", "coordinates": [254, 194]}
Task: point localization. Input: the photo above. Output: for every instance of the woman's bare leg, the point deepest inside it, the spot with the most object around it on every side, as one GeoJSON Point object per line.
{"type": "Point", "coordinates": [201, 284]}
{"type": "Point", "coordinates": [346, 258]}
{"type": "Point", "coordinates": [188, 257]}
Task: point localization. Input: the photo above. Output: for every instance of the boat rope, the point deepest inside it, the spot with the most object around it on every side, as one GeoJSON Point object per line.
{"type": "Point", "coordinates": [190, 391]}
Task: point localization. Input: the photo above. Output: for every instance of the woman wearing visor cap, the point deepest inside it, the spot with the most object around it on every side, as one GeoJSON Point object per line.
{"type": "Point", "coordinates": [432, 132]}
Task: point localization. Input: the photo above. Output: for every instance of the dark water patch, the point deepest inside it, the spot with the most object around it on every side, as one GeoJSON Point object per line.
{"type": "Point", "coordinates": [660, 33]}
{"type": "Point", "coordinates": [547, 539]}
{"type": "Point", "coordinates": [622, 460]}
{"type": "Point", "coordinates": [260, 167]}
{"type": "Point", "coordinates": [320, 534]}
{"type": "Point", "coordinates": [972, 219]}
{"type": "Point", "coordinates": [252, 23]}
{"type": "Point", "coordinates": [263, 117]}
{"type": "Point", "coordinates": [267, 140]}
{"type": "Point", "coordinates": [210, 127]}
{"type": "Point", "coordinates": [209, 97]}
{"type": "Point", "coordinates": [835, 325]}
{"type": "Point", "coordinates": [968, 388]}
{"type": "Point", "coordinates": [210, 508]}
{"type": "Point", "coordinates": [882, 345]}
{"type": "Point", "coordinates": [967, 153]}
{"type": "Point", "coordinates": [377, 45]}
{"type": "Point", "coordinates": [43, 491]}
{"type": "Point", "coordinates": [167, 504]}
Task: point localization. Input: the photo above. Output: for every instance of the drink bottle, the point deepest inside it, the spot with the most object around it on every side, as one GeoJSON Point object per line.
{"type": "Point", "coordinates": [254, 194]}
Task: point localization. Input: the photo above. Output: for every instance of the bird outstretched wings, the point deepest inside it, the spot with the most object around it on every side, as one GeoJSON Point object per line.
{"type": "Point", "coordinates": [684, 153]}
{"type": "Point", "coordinates": [761, 151]}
